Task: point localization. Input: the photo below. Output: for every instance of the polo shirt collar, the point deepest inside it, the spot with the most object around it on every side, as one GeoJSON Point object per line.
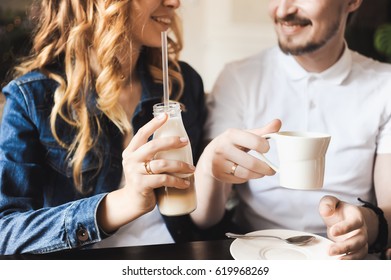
{"type": "Point", "coordinates": [336, 74]}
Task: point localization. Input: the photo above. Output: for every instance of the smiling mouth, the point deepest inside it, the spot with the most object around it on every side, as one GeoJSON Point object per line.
{"type": "Point", "coordinates": [164, 20]}
{"type": "Point", "coordinates": [289, 23]}
{"type": "Point", "coordinates": [292, 21]}
{"type": "Point", "coordinates": [291, 27]}
{"type": "Point", "coordinates": [293, 24]}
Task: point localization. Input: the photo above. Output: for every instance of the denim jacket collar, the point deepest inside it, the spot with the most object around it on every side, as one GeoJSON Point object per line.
{"type": "Point", "coordinates": [151, 90]}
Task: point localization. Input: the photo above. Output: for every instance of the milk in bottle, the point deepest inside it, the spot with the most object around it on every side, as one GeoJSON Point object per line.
{"type": "Point", "coordinates": [172, 201]}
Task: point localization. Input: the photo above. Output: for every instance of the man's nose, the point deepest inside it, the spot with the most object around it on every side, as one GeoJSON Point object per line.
{"type": "Point", "coordinates": [285, 7]}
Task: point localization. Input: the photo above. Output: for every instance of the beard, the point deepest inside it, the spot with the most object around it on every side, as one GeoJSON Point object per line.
{"type": "Point", "coordinates": [311, 45]}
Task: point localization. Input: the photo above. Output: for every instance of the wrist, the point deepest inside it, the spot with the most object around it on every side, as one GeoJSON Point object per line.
{"type": "Point", "coordinates": [381, 240]}
{"type": "Point", "coordinates": [115, 211]}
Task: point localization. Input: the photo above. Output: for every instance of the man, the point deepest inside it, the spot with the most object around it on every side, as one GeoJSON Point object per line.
{"type": "Point", "coordinates": [312, 82]}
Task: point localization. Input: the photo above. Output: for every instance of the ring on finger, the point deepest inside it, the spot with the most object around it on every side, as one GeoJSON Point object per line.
{"type": "Point", "coordinates": [233, 169]}
{"type": "Point", "coordinates": [147, 167]}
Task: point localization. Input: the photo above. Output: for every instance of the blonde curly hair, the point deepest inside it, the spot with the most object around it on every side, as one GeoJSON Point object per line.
{"type": "Point", "coordinates": [78, 32]}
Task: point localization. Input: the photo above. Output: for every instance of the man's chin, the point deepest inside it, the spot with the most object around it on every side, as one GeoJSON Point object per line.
{"type": "Point", "coordinates": [298, 50]}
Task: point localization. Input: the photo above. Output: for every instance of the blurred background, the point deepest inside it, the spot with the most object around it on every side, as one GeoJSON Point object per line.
{"type": "Point", "coordinates": [215, 32]}
{"type": "Point", "coordinates": [15, 30]}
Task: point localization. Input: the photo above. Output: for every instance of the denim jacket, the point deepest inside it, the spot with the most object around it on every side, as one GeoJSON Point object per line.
{"type": "Point", "coordinates": [40, 210]}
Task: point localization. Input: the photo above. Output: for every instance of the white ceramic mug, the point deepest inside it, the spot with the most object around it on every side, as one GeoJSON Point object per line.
{"type": "Point", "coordinates": [301, 158]}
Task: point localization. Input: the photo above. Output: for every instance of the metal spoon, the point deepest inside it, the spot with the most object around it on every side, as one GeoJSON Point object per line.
{"type": "Point", "coordinates": [296, 240]}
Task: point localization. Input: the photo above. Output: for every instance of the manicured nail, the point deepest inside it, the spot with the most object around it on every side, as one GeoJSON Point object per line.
{"type": "Point", "coordinates": [184, 139]}
{"type": "Point", "coordinates": [192, 167]}
{"type": "Point", "coordinates": [332, 252]}
{"type": "Point", "coordinates": [161, 116]}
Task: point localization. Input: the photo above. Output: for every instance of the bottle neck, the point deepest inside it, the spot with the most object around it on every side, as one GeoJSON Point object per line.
{"type": "Point", "coordinates": [172, 110]}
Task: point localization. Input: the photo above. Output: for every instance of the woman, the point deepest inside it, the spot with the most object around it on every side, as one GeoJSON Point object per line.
{"type": "Point", "coordinates": [71, 127]}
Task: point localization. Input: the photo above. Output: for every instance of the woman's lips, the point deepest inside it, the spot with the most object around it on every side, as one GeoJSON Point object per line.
{"type": "Point", "coordinates": [164, 20]}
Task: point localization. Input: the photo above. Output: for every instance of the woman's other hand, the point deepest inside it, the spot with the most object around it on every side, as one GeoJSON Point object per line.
{"type": "Point", "coordinates": [143, 174]}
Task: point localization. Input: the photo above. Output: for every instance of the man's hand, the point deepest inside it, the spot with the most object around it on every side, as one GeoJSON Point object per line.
{"type": "Point", "coordinates": [346, 226]}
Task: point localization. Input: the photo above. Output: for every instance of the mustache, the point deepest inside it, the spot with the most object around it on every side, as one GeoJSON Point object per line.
{"type": "Point", "coordinates": [293, 19]}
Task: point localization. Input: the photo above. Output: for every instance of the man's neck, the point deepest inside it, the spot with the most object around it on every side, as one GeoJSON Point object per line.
{"type": "Point", "coordinates": [322, 59]}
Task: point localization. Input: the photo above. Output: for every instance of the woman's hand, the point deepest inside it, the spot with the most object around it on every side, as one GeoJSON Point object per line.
{"type": "Point", "coordinates": [138, 161]}
{"type": "Point", "coordinates": [143, 174]}
{"type": "Point", "coordinates": [346, 226]}
{"type": "Point", "coordinates": [227, 158]}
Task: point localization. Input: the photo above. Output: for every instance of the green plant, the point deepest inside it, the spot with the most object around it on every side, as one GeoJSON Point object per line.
{"type": "Point", "coordinates": [382, 40]}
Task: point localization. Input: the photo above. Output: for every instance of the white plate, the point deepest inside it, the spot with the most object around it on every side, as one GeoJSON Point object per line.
{"type": "Point", "coordinates": [274, 249]}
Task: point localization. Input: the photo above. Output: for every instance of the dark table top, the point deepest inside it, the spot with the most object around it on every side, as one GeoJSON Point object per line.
{"type": "Point", "coordinates": [197, 250]}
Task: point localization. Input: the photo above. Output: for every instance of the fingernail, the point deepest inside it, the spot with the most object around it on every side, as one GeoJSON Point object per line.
{"type": "Point", "coordinates": [187, 182]}
{"type": "Point", "coordinates": [332, 251]}
{"type": "Point", "coordinates": [161, 116]}
{"type": "Point", "coordinates": [192, 167]}
{"type": "Point", "coordinates": [184, 139]}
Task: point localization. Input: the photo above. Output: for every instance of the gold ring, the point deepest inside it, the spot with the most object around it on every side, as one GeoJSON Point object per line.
{"type": "Point", "coordinates": [148, 167]}
{"type": "Point", "coordinates": [233, 169]}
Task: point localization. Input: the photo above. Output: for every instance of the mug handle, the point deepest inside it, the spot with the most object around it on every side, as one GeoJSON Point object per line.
{"type": "Point", "coordinates": [264, 158]}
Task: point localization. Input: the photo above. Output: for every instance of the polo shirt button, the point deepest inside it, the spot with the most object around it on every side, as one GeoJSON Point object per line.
{"type": "Point", "coordinates": [82, 235]}
{"type": "Point", "coordinates": [312, 105]}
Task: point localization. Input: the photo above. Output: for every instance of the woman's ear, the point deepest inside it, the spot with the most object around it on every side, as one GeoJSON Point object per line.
{"type": "Point", "coordinates": [353, 5]}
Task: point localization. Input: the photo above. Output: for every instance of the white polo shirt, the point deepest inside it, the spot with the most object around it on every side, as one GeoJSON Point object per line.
{"type": "Point", "coordinates": [351, 101]}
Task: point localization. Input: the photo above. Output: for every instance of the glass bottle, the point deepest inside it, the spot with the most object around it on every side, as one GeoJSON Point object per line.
{"type": "Point", "coordinates": [172, 201]}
